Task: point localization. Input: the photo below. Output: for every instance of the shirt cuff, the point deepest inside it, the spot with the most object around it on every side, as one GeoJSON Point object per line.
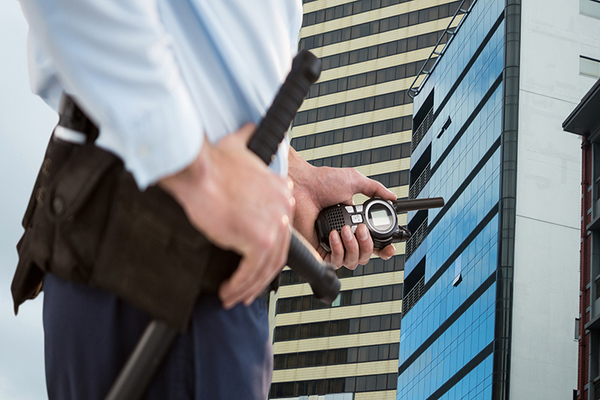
{"type": "Point", "coordinates": [159, 141]}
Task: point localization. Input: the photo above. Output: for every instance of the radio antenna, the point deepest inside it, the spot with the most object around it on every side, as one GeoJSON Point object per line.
{"type": "Point", "coordinates": [403, 205]}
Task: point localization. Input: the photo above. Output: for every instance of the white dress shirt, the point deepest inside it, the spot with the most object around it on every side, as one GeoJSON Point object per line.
{"type": "Point", "coordinates": [157, 76]}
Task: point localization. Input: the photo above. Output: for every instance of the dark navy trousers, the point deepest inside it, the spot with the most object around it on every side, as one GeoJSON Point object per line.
{"type": "Point", "coordinates": [89, 334]}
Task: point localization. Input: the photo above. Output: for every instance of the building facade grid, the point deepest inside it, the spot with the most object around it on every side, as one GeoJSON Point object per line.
{"type": "Point", "coordinates": [447, 338]}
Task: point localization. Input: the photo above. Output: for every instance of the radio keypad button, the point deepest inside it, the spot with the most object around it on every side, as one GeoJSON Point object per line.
{"type": "Point", "coordinates": [357, 219]}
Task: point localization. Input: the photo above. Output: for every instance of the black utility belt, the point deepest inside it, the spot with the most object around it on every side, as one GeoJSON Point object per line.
{"type": "Point", "coordinates": [88, 222]}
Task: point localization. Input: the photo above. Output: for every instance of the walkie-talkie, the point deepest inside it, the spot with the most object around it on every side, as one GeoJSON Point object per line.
{"type": "Point", "coordinates": [379, 215]}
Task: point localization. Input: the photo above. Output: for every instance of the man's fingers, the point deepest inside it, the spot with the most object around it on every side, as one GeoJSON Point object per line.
{"type": "Point", "coordinates": [350, 249]}
{"type": "Point", "coordinates": [268, 271]}
{"type": "Point", "coordinates": [245, 285]}
{"type": "Point", "coordinates": [365, 244]}
{"type": "Point", "coordinates": [232, 289]}
{"type": "Point", "coordinates": [351, 246]}
{"type": "Point", "coordinates": [387, 252]}
{"type": "Point", "coordinates": [337, 249]}
{"type": "Point", "coordinates": [258, 269]}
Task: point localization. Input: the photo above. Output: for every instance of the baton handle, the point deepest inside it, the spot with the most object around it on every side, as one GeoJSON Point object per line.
{"type": "Point", "coordinates": [271, 130]}
{"type": "Point", "coordinates": [307, 263]}
{"type": "Point", "coordinates": [148, 355]}
{"type": "Point", "coordinates": [302, 258]}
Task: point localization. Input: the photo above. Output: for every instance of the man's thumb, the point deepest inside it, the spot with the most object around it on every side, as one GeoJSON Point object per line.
{"type": "Point", "coordinates": [246, 131]}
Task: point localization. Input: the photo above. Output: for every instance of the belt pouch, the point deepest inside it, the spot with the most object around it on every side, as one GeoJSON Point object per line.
{"type": "Point", "coordinates": [88, 222]}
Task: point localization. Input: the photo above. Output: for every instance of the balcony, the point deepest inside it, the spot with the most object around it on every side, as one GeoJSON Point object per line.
{"type": "Point", "coordinates": [420, 132]}
{"type": "Point", "coordinates": [416, 239]}
{"type": "Point", "coordinates": [413, 296]}
{"type": "Point", "coordinates": [420, 183]}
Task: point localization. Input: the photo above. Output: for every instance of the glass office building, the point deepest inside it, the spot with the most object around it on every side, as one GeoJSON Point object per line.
{"type": "Point", "coordinates": [447, 341]}
{"type": "Point", "coordinates": [490, 289]}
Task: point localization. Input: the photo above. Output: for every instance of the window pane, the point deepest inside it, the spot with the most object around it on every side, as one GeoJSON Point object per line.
{"type": "Point", "coordinates": [384, 352]}
{"type": "Point", "coordinates": [363, 354]}
{"type": "Point", "coordinates": [373, 353]}
{"type": "Point", "coordinates": [352, 355]}
{"type": "Point", "coordinates": [381, 382]}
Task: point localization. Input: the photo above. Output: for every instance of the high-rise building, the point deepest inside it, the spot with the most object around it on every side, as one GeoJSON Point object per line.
{"type": "Point", "coordinates": [585, 121]}
{"type": "Point", "coordinates": [358, 115]}
{"type": "Point", "coordinates": [491, 279]}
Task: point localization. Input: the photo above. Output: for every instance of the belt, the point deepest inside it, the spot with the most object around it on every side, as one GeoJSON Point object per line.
{"type": "Point", "coordinates": [75, 122]}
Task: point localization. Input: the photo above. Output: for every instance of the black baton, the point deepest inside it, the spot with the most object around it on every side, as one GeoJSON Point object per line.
{"type": "Point", "coordinates": [302, 258]}
{"type": "Point", "coordinates": [158, 337]}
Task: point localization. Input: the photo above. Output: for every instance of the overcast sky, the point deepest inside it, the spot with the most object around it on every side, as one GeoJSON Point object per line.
{"type": "Point", "coordinates": [25, 126]}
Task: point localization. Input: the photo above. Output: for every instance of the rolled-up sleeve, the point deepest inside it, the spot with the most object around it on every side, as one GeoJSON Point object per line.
{"type": "Point", "coordinates": [115, 58]}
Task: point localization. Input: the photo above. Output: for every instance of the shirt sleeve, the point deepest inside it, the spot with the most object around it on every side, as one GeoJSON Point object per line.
{"type": "Point", "coordinates": [115, 58]}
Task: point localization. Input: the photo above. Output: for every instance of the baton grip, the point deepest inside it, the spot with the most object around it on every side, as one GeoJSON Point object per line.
{"type": "Point", "coordinates": [302, 258]}
{"type": "Point", "coordinates": [306, 68]}
{"type": "Point", "coordinates": [143, 363]}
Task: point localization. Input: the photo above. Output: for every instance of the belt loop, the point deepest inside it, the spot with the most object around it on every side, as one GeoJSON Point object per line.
{"type": "Point", "coordinates": [72, 117]}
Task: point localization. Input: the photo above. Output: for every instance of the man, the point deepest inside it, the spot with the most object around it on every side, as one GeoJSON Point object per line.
{"type": "Point", "coordinates": [175, 88]}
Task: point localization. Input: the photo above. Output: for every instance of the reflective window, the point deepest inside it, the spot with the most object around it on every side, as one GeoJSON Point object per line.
{"type": "Point", "coordinates": [373, 27]}
{"type": "Point", "coordinates": [447, 355]}
{"type": "Point", "coordinates": [345, 298]}
{"type": "Point", "coordinates": [352, 107]}
{"type": "Point", "coordinates": [440, 302]}
{"type": "Point", "coordinates": [329, 386]}
{"type": "Point", "coordinates": [374, 266]}
{"type": "Point", "coordinates": [338, 327]}
{"type": "Point", "coordinates": [363, 157]}
{"type": "Point", "coordinates": [373, 52]}
{"type": "Point", "coordinates": [452, 326]}
{"type": "Point", "coordinates": [369, 78]}
{"type": "Point", "coordinates": [380, 352]}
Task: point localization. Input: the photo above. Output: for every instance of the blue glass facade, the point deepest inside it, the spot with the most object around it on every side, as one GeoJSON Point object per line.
{"type": "Point", "coordinates": [448, 330]}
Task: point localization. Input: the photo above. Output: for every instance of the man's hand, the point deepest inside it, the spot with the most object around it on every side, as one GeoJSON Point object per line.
{"type": "Point", "coordinates": [317, 188]}
{"type": "Point", "coordinates": [231, 196]}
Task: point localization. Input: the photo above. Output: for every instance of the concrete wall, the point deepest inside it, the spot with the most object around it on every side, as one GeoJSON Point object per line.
{"type": "Point", "coordinates": [546, 280]}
